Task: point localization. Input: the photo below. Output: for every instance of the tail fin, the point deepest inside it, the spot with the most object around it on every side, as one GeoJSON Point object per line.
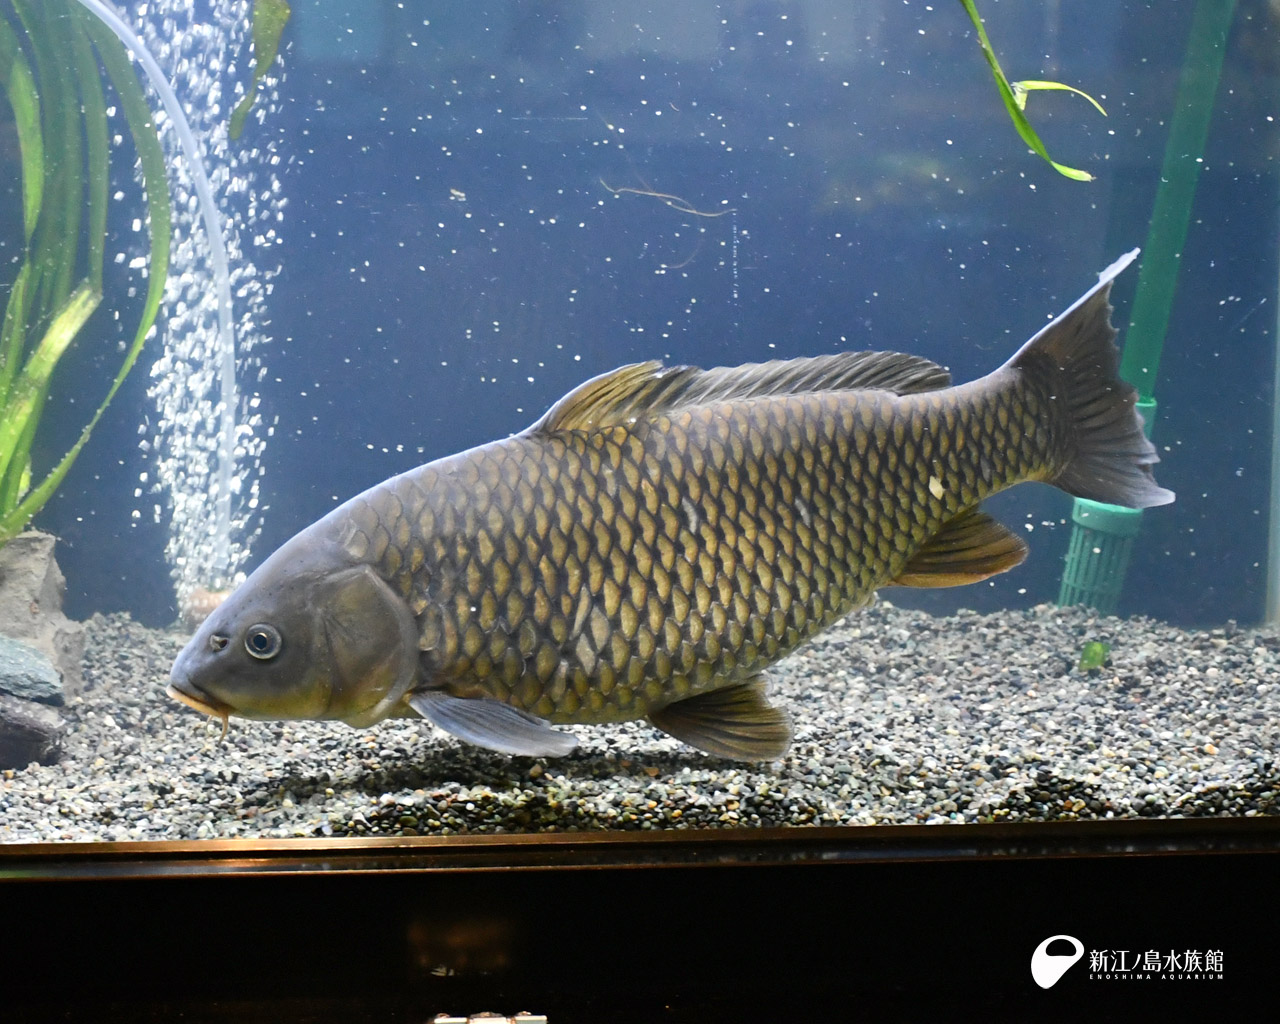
{"type": "Point", "coordinates": [1108, 457]}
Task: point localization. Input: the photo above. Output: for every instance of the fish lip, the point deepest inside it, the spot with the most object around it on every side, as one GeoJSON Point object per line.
{"type": "Point", "coordinates": [193, 696]}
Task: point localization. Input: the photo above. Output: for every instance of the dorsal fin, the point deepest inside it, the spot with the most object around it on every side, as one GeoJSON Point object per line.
{"type": "Point", "coordinates": [647, 389]}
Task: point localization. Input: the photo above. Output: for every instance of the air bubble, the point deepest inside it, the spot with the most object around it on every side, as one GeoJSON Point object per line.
{"type": "Point", "coordinates": [198, 58]}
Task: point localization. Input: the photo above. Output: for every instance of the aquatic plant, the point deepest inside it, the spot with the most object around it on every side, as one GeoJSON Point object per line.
{"type": "Point", "coordinates": [1094, 655]}
{"type": "Point", "coordinates": [269, 20]}
{"type": "Point", "coordinates": [53, 82]}
{"type": "Point", "coordinates": [1014, 95]}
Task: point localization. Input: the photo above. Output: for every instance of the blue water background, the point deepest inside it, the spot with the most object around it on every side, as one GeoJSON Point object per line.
{"type": "Point", "coordinates": [879, 199]}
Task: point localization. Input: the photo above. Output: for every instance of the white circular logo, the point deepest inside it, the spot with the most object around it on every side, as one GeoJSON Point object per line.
{"type": "Point", "coordinates": [1047, 967]}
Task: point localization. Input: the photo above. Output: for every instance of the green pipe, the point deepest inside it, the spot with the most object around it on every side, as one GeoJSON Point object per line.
{"type": "Point", "coordinates": [1102, 535]}
{"type": "Point", "coordinates": [1162, 255]}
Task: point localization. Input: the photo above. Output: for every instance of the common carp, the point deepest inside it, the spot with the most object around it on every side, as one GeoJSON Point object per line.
{"type": "Point", "coordinates": [660, 536]}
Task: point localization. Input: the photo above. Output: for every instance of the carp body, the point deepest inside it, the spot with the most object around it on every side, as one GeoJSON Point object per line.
{"type": "Point", "coordinates": [662, 535]}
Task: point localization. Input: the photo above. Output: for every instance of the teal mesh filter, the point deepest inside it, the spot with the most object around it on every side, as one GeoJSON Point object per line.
{"type": "Point", "coordinates": [1101, 542]}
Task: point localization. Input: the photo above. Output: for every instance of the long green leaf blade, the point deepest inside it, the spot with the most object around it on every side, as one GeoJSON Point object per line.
{"type": "Point", "coordinates": [98, 156]}
{"type": "Point", "coordinates": [57, 240]}
{"type": "Point", "coordinates": [26, 400]}
{"type": "Point", "coordinates": [13, 331]}
{"type": "Point", "coordinates": [269, 19]}
{"type": "Point", "coordinates": [1019, 119]}
{"type": "Point", "coordinates": [1020, 90]}
{"type": "Point", "coordinates": [151, 159]}
{"type": "Point", "coordinates": [20, 86]}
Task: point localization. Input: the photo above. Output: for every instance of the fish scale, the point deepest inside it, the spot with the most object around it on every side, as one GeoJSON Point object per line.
{"type": "Point", "coordinates": [660, 537]}
{"type": "Point", "coordinates": [593, 578]}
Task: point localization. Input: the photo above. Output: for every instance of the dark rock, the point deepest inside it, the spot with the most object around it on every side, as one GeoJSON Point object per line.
{"type": "Point", "coordinates": [26, 673]}
{"type": "Point", "coordinates": [28, 732]}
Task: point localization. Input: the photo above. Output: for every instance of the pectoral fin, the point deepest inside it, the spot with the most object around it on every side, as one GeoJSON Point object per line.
{"type": "Point", "coordinates": [491, 724]}
{"type": "Point", "coordinates": [736, 722]}
{"type": "Point", "coordinates": [970, 548]}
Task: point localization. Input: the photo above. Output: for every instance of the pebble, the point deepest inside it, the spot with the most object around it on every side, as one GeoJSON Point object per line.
{"type": "Point", "coordinates": [900, 717]}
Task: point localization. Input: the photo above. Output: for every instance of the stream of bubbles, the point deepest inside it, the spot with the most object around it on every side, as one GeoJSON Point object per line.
{"type": "Point", "coordinates": [205, 444]}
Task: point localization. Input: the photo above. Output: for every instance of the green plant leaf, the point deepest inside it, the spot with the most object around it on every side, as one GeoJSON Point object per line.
{"type": "Point", "coordinates": [57, 239]}
{"type": "Point", "coordinates": [60, 34]}
{"type": "Point", "coordinates": [14, 330]}
{"type": "Point", "coordinates": [98, 156]}
{"type": "Point", "coordinates": [269, 19]}
{"type": "Point", "coordinates": [26, 398]}
{"type": "Point", "coordinates": [1011, 103]}
{"type": "Point", "coordinates": [151, 159]}
{"type": "Point", "coordinates": [1020, 90]}
{"type": "Point", "coordinates": [20, 86]}
{"type": "Point", "coordinates": [1094, 655]}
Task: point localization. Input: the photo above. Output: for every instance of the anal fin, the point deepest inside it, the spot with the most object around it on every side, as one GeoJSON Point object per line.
{"type": "Point", "coordinates": [969, 548]}
{"type": "Point", "coordinates": [491, 724]}
{"type": "Point", "coordinates": [735, 722]}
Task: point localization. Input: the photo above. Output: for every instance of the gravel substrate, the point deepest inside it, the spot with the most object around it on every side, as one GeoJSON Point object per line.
{"type": "Point", "coordinates": [900, 717]}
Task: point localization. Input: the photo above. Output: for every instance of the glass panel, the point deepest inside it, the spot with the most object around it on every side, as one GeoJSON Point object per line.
{"type": "Point", "coordinates": [437, 219]}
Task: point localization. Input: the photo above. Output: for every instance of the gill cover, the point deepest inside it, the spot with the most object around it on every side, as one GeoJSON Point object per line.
{"type": "Point", "coordinates": [369, 639]}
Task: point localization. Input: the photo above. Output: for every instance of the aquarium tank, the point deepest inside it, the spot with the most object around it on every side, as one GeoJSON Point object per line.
{"type": "Point", "coordinates": [276, 255]}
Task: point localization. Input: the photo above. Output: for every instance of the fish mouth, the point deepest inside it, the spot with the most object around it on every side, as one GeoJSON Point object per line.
{"type": "Point", "coordinates": [180, 689]}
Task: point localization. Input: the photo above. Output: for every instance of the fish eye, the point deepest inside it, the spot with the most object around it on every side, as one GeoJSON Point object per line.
{"type": "Point", "coordinates": [218, 642]}
{"type": "Point", "coordinates": [262, 641]}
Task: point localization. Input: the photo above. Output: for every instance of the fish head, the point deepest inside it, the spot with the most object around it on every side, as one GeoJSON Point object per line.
{"type": "Point", "coordinates": [298, 642]}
